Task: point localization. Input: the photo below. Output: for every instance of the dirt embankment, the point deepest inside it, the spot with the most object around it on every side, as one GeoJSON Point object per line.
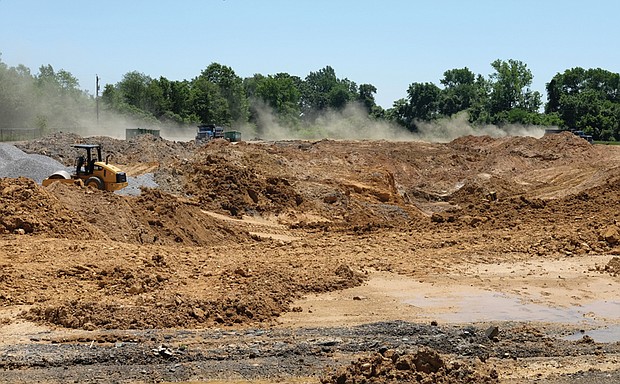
{"type": "Point", "coordinates": [79, 213]}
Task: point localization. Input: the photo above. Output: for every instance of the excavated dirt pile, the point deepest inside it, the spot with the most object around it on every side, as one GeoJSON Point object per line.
{"type": "Point", "coordinates": [27, 208]}
{"type": "Point", "coordinates": [422, 366]}
{"type": "Point", "coordinates": [238, 189]}
{"type": "Point", "coordinates": [73, 211]}
{"type": "Point", "coordinates": [150, 289]}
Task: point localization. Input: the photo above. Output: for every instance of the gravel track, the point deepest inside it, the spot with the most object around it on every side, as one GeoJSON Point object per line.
{"type": "Point", "coordinates": [275, 354]}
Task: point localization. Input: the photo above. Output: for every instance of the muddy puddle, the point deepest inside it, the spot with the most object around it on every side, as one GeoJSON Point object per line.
{"type": "Point", "coordinates": [582, 301]}
{"type": "Point", "coordinates": [495, 306]}
{"type": "Point", "coordinates": [608, 334]}
{"type": "Point", "coordinates": [482, 306]}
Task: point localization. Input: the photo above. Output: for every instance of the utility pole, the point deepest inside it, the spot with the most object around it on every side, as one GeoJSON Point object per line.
{"type": "Point", "coordinates": [97, 96]}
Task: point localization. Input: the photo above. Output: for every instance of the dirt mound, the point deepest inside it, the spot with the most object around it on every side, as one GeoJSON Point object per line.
{"type": "Point", "coordinates": [146, 293]}
{"type": "Point", "coordinates": [140, 149]}
{"type": "Point", "coordinates": [286, 180]}
{"type": "Point", "coordinates": [551, 147]}
{"type": "Point", "coordinates": [27, 208]}
{"type": "Point", "coordinates": [77, 212]}
{"type": "Point", "coordinates": [181, 220]}
{"type": "Point", "coordinates": [612, 267]}
{"type": "Point", "coordinates": [575, 224]}
{"type": "Point", "coordinates": [422, 366]}
{"type": "Point", "coordinates": [550, 167]}
{"type": "Point", "coordinates": [154, 217]}
{"type": "Point", "coordinates": [216, 182]}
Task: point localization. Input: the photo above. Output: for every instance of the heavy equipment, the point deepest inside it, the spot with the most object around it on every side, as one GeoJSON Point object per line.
{"type": "Point", "coordinates": [207, 132]}
{"type": "Point", "coordinates": [93, 171]}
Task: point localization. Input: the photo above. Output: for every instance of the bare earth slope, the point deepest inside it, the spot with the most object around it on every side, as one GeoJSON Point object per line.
{"type": "Point", "coordinates": [293, 240]}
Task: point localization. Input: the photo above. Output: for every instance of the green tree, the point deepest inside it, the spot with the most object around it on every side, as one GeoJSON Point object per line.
{"type": "Point", "coordinates": [207, 102]}
{"type": "Point", "coordinates": [339, 96]}
{"type": "Point", "coordinates": [317, 87]}
{"type": "Point", "coordinates": [460, 91]}
{"type": "Point", "coordinates": [510, 88]}
{"type": "Point", "coordinates": [58, 101]}
{"type": "Point", "coordinates": [16, 102]}
{"type": "Point", "coordinates": [323, 90]}
{"type": "Point", "coordinates": [110, 96]}
{"type": "Point", "coordinates": [366, 96]}
{"type": "Point", "coordinates": [132, 96]}
{"type": "Point", "coordinates": [134, 90]}
{"type": "Point", "coordinates": [399, 114]}
{"type": "Point", "coordinates": [423, 103]}
{"type": "Point", "coordinates": [587, 100]}
{"type": "Point", "coordinates": [177, 100]}
{"type": "Point", "coordinates": [479, 111]}
{"type": "Point", "coordinates": [229, 86]}
{"type": "Point", "coordinates": [154, 99]}
{"type": "Point", "coordinates": [281, 94]}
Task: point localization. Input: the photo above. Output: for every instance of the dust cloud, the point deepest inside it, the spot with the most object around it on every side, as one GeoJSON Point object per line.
{"type": "Point", "coordinates": [450, 128]}
{"type": "Point", "coordinates": [353, 123]}
{"type": "Point", "coordinates": [51, 101]}
{"type": "Point", "coordinates": [114, 125]}
{"type": "Point", "coordinates": [73, 111]}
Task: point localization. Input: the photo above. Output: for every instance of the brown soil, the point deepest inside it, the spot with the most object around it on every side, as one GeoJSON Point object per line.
{"type": "Point", "coordinates": [240, 235]}
{"type": "Point", "coordinates": [422, 366]}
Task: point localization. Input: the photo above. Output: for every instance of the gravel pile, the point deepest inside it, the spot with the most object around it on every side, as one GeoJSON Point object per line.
{"type": "Point", "coordinates": [135, 183]}
{"type": "Point", "coordinates": [15, 163]}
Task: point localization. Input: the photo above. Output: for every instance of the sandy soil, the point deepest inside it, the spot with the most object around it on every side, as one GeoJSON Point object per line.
{"type": "Point", "coordinates": [303, 239]}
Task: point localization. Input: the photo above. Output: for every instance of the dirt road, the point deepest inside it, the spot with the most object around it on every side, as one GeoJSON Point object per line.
{"type": "Point", "coordinates": [290, 260]}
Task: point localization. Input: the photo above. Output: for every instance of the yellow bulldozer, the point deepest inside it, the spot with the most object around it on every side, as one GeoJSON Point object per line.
{"type": "Point", "coordinates": [93, 171]}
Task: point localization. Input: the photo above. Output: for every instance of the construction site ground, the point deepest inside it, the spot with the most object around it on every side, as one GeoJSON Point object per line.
{"type": "Point", "coordinates": [479, 260]}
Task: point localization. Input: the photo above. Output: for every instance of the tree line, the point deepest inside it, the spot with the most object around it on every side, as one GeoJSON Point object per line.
{"type": "Point", "coordinates": [577, 99]}
{"type": "Point", "coordinates": [219, 96]}
{"type": "Point", "coordinates": [49, 98]}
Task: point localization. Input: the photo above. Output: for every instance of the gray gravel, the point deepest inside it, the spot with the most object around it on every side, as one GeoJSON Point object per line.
{"type": "Point", "coordinates": [135, 183]}
{"type": "Point", "coordinates": [279, 354]}
{"type": "Point", "coordinates": [15, 163]}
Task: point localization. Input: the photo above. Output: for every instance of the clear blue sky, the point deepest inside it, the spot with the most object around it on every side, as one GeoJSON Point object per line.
{"type": "Point", "coordinates": [387, 43]}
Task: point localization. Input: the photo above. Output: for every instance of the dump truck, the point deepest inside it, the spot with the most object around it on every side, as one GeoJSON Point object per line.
{"type": "Point", "coordinates": [92, 170]}
{"type": "Point", "coordinates": [208, 132]}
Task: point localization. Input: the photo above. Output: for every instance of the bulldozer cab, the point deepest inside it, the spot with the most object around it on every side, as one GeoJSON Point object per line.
{"type": "Point", "coordinates": [85, 165]}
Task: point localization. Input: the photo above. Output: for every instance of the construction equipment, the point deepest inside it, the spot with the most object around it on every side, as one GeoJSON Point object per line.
{"type": "Point", "coordinates": [584, 136]}
{"type": "Point", "coordinates": [93, 171]}
{"type": "Point", "coordinates": [232, 136]}
{"type": "Point", "coordinates": [207, 132]}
